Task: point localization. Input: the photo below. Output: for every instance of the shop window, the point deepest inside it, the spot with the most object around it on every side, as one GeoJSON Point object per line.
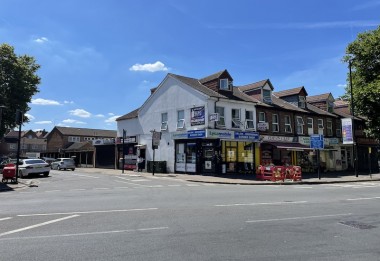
{"type": "Point", "coordinates": [275, 126]}
{"type": "Point", "coordinates": [300, 124]}
{"type": "Point", "coordinates": [221, 122]}
{"type": "Point", "coordinates": [288, 124]}
{"type": "Point", "coordinates": [310, 126]}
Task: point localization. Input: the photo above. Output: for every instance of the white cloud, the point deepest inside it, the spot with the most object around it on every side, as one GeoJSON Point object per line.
{"type": "Point", "coordinates": [111, 114]}
{"type": "Point", "coordinates": [149, 67]}
{"type": "Point", "coordinates": [80, 113]}
{"type": "Point", "coordinates": [73, 121]}
{"type": "Point", "coordinates": [41, 40]}
{"type": "Point", "coordinates": [40, 101]}
{"type": "Point", "coordinates": [342, 85]}
{"type": "Point", "coordinates": [68, 102]}
{"type": "Point", "coordinates": [43, 122]}
{"type": "Point", "coordinates": [112, 119]}
{"type": "Point", "coordinates": [30, 117]}
{"type": "Point", "coordinates": [99, 115]}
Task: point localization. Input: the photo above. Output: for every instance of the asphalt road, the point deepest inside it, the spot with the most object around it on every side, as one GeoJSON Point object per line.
{"type": "Point", "coordinates": [82, 216]}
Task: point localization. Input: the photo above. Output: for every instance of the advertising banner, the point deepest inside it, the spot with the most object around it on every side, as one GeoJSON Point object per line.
{"type": "Point", "coordinates": [197, 116]}
{"type": "Point", "coordinates": [347, 131]}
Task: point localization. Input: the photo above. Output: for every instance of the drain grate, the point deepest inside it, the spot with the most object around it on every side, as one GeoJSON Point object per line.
{"type": "Point", "coordinates": [356, 224]}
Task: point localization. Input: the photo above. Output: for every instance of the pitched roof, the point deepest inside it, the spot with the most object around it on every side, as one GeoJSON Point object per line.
{"type": "Point", "coordinates": [212, 76]}
{"type": "Point", "coordinates": [289, 92]}
{"type": "Point", "coordinates": [86, 132]}
{"type": "Point", "coordinates": [129, 115]}
{"type": "Point", "coordinates": [318, 98]}
{"type": "Point", "coordinates": [254, 85]}
{"type": "Point", "coordinates": [80, 146]}
{"type": "Point", "coordinates": [317, 110]}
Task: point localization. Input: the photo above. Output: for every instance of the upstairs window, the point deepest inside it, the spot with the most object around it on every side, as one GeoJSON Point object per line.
{"type": "Point", "coordinates": [164, 121]}
{"type": "Point", "coordinates": [310, 126]}
{"type": "Point", "coordinates": [275, 126]}
{"type": "Point", "coordinates": [302, 102]}
{"type": "Point", "coordinates": [249, 124]}
{"type": "Point", "coordinates": [300, 124]}
{"type": "Point", "coordinates": [224, 84]}
{"type": "Point", "coordinates": [288, 124]}
{"type": "Point", "coordinates": [221, 122]}
{"type": "Point", "coordinates": [329, 128]}
{"type": "Point", "coordinates": [73, 139]}
{"type": "Point", "coordinates": [338, 129]}
{"type": "Point", "coordinates": [267, 98]}
{"type": "Point", "coordinates": [262, 117]}
{"type": "Point", "coordinates": [236, 122]}
{"type": "Point", "coordinates": [320, 124]}
{"type": "Point", "coordinates": [181, 119]}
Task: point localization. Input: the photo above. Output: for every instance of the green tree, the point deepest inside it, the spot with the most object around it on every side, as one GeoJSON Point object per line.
{"type": "Point", "coordinates": [364, 56]}
{"type": "Point", "coordinates": [18, 84]}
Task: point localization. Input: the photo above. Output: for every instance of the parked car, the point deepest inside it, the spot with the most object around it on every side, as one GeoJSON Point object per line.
{"type": "Point", "coordinates": [63, 163]}
{"type": "Point", "coordinates": [28, 167]}
{"type": "Point", "coordinates": [48, 160]}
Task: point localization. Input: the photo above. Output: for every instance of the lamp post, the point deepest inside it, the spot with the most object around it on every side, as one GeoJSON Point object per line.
{"type": "Point", "coordinates": [354, 153]}
{"type": "Point", "coordinates": [123, 161]}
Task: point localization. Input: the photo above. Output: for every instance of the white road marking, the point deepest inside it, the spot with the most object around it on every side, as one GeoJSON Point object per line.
{"type": "Point", "coordinates": [90, 233]}
{"type": "Point", "coordinates": [87, 212]}
{"type": "Point", "coordinates": [101, 188]}
{"type": "Point", "coordinates": [130, 183]}
{"type": "Point", "coordinates": [1, 219]}
{"type": "Point", "coordinates": [174, 185]}
{"type": "Point", "coordinates": [296, 218]}
{"type": "Point", "coordinates": [353, 199]}
{"type": "Point", "coordinates": [57, 190]}
{"type": "Point", "coordinates": [37, 225]}
{"type": "Point", "coordinates": [77, 189]}
{"type": "Point", "coordinates": [302, 187]}
{"type": "Point", "coordinates": [121, 187]}
{"type": "Point", "coordinates": [263, 203]}
{"type": "Point", "coordinates": [192, 185]}
{"type": "Point", "coordinates": [86, 176]}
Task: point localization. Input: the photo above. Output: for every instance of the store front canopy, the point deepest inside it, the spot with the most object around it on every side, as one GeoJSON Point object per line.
{"type": "Point", "coordinates": [289, 146]}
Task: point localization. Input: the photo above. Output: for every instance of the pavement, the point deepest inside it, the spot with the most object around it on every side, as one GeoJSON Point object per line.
{"type": "Point", "coordinates": [237, 179]}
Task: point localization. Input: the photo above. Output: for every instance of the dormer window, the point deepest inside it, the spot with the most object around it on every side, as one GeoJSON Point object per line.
{"type": "Point", "coordinates": [302, 102]}
{"type": "Point", "coordinates": [267, 96]}
{"type": "Point", "coordinates": [224, 84]}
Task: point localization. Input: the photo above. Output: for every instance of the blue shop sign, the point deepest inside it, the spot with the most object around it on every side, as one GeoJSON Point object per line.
{"type": "Point", "coordinates": [196, 134]}
{"type": "Point", "coordinates": [247, 135]}
{"type": "Point", "coordinates": [317, 142]}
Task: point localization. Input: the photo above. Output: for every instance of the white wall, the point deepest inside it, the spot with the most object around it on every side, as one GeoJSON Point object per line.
{"type": "Point", "coordinates": [171, 96]}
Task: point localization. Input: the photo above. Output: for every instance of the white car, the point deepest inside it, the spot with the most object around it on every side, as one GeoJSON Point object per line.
{"type": "Point", "coordinates": [28, 167]}
{"type": "Point", "coordinates": [63, 163]}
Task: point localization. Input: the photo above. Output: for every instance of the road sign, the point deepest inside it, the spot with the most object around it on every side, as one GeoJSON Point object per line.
{"type": "Point", "coordinates": [156, 136]}
{"type": "Point", "coordinates": [316, 142]}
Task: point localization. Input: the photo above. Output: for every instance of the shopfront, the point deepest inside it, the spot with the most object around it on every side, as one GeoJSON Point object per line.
{"type": "Point", "coordinates": [215, 151]}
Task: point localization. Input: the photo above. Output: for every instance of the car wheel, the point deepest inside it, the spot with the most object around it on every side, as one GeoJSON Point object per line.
{"type": "Point", "coordinates": [46, 174]}
{"type": "Point", "coordinates": [72, 169]}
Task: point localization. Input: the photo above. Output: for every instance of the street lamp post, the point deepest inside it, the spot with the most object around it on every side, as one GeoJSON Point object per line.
{"type": "Point", "coordinates": [353, 121]}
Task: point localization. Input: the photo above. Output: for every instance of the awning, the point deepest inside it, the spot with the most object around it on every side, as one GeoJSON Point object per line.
{"type": "Point", "coordinates": [289, 146]}
{"type": "Point", "coordinates": [141, 146]}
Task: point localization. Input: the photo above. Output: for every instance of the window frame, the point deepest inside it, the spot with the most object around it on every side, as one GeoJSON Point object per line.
{"type": "Point", "coordinates": [288, 124]}
{"type": "Point", "coordinates": [329, 128]}
{"type": "Point", "coordinates": [224, 84]}
{"type": "Point", "coordinates": [260, 116]}
{"type": "Point", "coordinates": [180, 120]}
{"type": "Point", "coordinates": [275, 123]}
{"type": "Point", "coordinates": [235, 121]}
{"type": "Point", "coordinates": [300, 124]}
{"type": "Point", "coordinates": [249, 118]}
{"type": "Point", "coordinates": [222, 120]}
{"type": "Point", "coordinates": [319, 124]}
{"type": "Point", "coordinates": [164, 121]}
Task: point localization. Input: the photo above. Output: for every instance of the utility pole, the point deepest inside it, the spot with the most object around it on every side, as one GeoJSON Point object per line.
{"type": "Point", "coordinates": [123, 161]}
{"type": "Point", "coordinates": [354, 152]}
{"type": "Point", "coordinates": [19, 120]}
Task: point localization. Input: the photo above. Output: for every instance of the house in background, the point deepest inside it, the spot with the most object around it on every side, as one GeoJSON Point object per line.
{"type": "Point", "coordinates": [32, 143]}
{"type": "Point", "coordinates": [78, 143]}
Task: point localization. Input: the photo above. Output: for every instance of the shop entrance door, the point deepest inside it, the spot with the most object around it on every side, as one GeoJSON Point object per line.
{"type": "Point", "coordinates": [208, 164]}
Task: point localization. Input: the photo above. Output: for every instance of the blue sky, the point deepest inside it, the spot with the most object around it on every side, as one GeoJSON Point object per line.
{"type": "Point", "coordinates": [100, 58]}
